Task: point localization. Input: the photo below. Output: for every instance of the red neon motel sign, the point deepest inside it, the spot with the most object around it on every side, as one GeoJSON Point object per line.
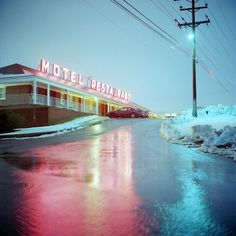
{"type": "Point", "coordinates": [75, 78]}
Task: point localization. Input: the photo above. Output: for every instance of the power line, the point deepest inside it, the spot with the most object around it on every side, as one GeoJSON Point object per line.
{"type": "Point", "coordinates": [212, 58]}
{"type": "Point", "coordinates": [222, 41]}
{"type": "Point", "coordinates": [206, 55]}
{"type": "Point", "coordinates": [175, 10]}
{"type": "Point", "coordinates": [172, 41]}
{"type": "Point", "coordinates": [211, 74]}
{"type": "Point", "coordinates": [220, 28]}
{"type": "Point", "coordinates": [203, 64]}
{"type": "Point", "coordinates": [200, 61]}
{"type": "Point", "coordinates": [162, 8]}
{"type": "Point", "coordinates": [226, 22]}
{"type": "Point", "coordinates": [208, 40]}
{"type": "Point", "coordinates": [227, 53]}
{"type": "Point", "coordinates": [219, 49]}
{"type": "Point", "coordinates": [141, 21]}
{"type": "Point", "coordinates": [176, 44]}
{"type": "Point", "coordinates": [210, 71]}
{"type": "Point", "coordinates": [117, 25]}
{"type": "Point", "coordinates": [150, 21]}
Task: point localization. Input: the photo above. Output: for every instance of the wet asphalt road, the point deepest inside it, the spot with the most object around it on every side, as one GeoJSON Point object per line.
{"type": "Point", "coordinates": [116, 178]}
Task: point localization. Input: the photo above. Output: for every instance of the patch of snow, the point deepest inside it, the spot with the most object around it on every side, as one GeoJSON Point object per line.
{"type": "Point", "coordinates": [52, 130]}
{"type": "Point", "coordinates": [213, 131]}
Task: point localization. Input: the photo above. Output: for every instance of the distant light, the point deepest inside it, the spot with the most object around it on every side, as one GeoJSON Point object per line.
{"type": "Point", "coordinates": [190, 36]}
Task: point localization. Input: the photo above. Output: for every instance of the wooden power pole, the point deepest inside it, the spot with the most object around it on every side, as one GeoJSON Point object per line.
{"type": "Point", "coordinates": [193, 24]}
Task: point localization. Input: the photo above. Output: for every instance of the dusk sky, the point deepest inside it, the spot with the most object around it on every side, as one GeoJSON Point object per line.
{"type": "Point", "coordinates": [96, 38]}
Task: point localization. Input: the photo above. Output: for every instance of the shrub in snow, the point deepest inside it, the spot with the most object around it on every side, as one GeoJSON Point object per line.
{"type": "Point", "coordinates": [10, 121]}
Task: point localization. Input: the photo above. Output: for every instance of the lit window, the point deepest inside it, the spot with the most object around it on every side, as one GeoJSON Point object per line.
{"type": "Point", "coordinates": [2, 92]}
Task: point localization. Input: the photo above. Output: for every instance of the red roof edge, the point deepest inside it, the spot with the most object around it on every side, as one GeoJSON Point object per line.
{"type": "Point", "coordinates": [17, 69]}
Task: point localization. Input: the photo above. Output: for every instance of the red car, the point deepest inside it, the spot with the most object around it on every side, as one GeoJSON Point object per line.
{"type": "Point", "coordinates": [126, 112]}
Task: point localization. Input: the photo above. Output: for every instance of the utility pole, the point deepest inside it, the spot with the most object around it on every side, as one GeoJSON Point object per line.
{"type": "Point", "coordinates": [193, 25]}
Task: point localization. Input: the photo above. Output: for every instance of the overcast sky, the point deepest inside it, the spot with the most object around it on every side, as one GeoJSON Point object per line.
{"type": "Point", "coordinates": [96, 38]}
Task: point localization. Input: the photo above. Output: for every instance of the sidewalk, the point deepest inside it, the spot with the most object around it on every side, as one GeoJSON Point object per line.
{"type": "Point", "coordinates": [52, 130]}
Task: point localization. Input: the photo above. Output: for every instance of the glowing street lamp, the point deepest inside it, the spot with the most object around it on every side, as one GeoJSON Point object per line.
{"type": "Point", "coordinates": [190, 36]}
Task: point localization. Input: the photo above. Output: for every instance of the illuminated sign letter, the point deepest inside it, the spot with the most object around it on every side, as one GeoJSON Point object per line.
{"type": "Point", "coordinates": [80, 80]}
{"type": "Point", "coordinates": [44, 66]}
{"type": "Point", "coordinates": [103, 88]}
{"type": "Point", "coordinates": [93, 84]}
{"type": "Point", "coordinates": [129, 96]}
{"type": "Point", "coordinates": [115, 92]}
{"type": "Point", "coordinates": [126, 96]}
{"type": "Point", "coordinates": [98, 86]}
{"type": "Point", "coordinates": [107, 89]}
{"type": "Point", "coordinates": [73, 77]}
{"type": "Point", "coordinates": [118, 93]}
{"type": "Point", "coordinates": [64, 73]}
{"type": "Point", "coordinates": [111, 91]}
{"type": "Point", "coordinates": [55, 70]}
{"type": "Point", "coordinates": [122, 96]}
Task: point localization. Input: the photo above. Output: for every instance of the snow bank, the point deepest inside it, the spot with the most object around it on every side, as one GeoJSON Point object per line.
{"type": "Point", "coordinates": [52, 130]}
{"type": "Point", "coordinates": [213, 131]}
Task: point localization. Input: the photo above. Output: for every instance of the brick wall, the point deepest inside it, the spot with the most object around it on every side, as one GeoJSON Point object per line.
{"type": "Point", "coordinates": [43, 115]}
{"type": "Point", "coordinates": [56, 115]}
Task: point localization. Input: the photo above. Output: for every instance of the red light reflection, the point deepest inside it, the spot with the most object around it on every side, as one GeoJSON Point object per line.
{"type": "Point", "coordinates": [84, 188]}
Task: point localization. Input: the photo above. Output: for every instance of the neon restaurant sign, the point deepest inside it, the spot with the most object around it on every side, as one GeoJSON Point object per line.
{"type": "Point", "coordinates": [76, 79]}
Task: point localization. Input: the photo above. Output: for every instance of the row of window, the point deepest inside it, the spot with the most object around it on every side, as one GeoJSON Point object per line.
{"type": "Point", "coordinates": [2, 92]}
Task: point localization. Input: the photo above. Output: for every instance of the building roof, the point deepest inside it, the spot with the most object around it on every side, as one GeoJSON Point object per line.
{"type": "Point", "coordinates": [17, 69]}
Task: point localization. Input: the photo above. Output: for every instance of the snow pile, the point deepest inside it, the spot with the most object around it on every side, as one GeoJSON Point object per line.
{"type": "Point", "coordinates": [52, 130]}
{"type": "Point", "coordinates": [213, 131]}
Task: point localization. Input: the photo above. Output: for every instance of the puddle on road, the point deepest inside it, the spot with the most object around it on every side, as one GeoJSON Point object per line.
{"type": "Point", "coordinates": [54, 168]}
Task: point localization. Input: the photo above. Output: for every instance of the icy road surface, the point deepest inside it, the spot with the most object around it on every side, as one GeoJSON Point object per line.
{"type": "Point", "coordinates": [116, 178]}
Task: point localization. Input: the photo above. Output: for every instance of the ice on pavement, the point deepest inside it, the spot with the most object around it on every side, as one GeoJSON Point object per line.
{"type": "Point", "coordinates": [213, 131]}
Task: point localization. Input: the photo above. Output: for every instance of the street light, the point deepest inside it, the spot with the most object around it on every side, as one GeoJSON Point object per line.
{"type": "Point", "coordinates": [190, 36]}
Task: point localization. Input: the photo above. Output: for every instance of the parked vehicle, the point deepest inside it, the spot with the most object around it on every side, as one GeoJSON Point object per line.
{"type": "Point", "coordinates": [126, 112]}
{"type": "Point", "coordinates": [145, 114]}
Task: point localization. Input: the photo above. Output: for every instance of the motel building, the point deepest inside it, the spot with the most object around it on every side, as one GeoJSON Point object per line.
{"type": "Point", "coordinates": [53, 93]}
